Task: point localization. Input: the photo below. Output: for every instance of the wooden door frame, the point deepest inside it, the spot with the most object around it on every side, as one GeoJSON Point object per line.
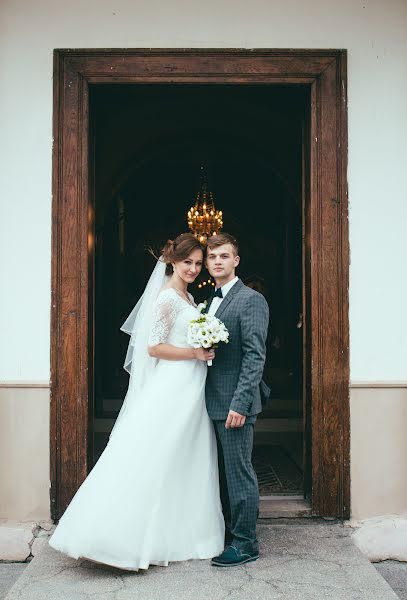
{"type": "Point", "coordinates": [324, 71]}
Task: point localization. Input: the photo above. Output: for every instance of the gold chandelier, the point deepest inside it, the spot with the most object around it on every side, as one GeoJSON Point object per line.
{"type": "Point", "coordinates": [203, 219]}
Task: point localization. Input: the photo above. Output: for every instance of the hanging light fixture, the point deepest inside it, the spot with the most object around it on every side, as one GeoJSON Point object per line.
{"type": "Point", "coordinates": [203, 219]}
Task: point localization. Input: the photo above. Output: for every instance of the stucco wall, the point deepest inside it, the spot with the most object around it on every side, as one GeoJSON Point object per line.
{"type": "Point", "coordinates": [378, 450]}
{"type": "Point", "coordinates": [24, 452]}
{"type": "Point", "coordinates": [373, 32]}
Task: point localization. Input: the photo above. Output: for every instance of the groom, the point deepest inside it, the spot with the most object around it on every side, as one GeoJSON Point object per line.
{"type": "Point", "coordinates": [233, 397]}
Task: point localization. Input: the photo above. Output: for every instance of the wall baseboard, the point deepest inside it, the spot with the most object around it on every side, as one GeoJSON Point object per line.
{"type": "Point", "coordinates": [378, 384]}
{"type": "Point", "coordinates": [24, 384]}
{"type": "Point", "coordinates": [353, 384]}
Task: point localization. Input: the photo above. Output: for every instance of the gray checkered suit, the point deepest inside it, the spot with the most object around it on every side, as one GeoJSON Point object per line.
{"type": "Point", "coordinates": [233, 384]}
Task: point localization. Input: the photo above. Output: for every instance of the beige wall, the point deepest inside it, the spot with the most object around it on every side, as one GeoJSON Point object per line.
{"type": "Point", "coordinates": [24, 452]}
{"type": "Point", "coordinates": [378, 450]}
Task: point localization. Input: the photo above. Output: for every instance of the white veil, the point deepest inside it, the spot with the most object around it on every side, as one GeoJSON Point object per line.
{"type": "Point", "coordinates": [138, 325]}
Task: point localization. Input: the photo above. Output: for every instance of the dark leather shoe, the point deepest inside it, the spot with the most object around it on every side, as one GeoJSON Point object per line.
{"type": "Point", "coordinates": [233, 557]}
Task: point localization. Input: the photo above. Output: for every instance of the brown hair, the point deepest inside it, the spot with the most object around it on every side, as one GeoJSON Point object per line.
{"type": "Point", "coordinates": [179, 249]}
{"type": "Point", "coordinates": [223, 238]}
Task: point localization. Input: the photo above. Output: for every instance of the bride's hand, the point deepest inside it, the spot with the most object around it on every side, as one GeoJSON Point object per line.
{"type": "Point", "coordinates": [204, 353]}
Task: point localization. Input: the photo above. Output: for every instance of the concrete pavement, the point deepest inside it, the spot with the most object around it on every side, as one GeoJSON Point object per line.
{"type": "Point", "coordinates": [395, 573]}
{"type": "Point", "coordinates": [300, 560]}
{"type": "Point", "coordinates": [9, 574]}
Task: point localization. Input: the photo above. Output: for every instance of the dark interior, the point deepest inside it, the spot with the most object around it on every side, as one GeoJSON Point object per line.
{"type": "Point", "coordinates": [150, 142]}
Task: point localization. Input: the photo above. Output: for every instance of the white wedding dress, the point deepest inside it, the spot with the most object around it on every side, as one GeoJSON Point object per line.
{"type": "Point", "coordinates": [153, 496]}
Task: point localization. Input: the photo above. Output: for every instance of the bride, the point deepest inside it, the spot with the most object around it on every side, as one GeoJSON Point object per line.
{"type": "Point", "coordinates": [153, 495]}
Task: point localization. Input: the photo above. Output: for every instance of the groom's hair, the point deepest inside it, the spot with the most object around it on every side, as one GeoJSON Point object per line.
{"type": "Point", "coordinates": [223, 238]}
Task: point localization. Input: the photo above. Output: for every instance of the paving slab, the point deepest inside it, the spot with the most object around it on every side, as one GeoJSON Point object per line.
{"type": "Point", "coordinates": [9, 573]}
{"type": "Point", "coordinates": [298, 562]}
{"type": "Point", "coordinates": [395, 573]}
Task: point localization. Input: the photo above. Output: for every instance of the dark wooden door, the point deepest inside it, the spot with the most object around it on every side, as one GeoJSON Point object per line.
{"type": "Point", "coordinates": [306, 308]}
{"type": "Point", "coordinates": [91, 295]}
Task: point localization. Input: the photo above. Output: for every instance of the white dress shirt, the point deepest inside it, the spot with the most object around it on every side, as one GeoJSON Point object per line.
{"type": "Point", "coordinates": [216, 302]}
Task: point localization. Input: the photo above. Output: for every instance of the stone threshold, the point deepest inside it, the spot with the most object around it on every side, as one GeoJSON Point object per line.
{"type": "Point", "coordinates": [283, 506]}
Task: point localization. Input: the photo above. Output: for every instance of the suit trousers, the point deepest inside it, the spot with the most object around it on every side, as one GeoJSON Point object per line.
{"type": "Point", "coordinates": [238, 483]}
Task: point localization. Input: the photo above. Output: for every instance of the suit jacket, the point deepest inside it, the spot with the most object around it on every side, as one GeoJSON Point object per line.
{"type": "Point", "coordinates": [233, 381]}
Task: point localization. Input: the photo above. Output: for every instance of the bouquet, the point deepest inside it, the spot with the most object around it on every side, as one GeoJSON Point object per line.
{"type": "Point", "coordinates": [207, 331]}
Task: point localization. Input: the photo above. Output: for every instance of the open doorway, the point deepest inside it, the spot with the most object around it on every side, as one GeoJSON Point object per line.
{"type": "Point", "coordinates": [322, 74]}
{"type": "Point", "coordinates": [149, 143]}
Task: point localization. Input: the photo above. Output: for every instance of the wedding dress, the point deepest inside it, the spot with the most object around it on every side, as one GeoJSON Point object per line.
{"type": "Point", "coordinates": [153, 496]}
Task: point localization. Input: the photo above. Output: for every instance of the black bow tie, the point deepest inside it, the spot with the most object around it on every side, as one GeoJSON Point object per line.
{"type": "Point", "coordinates": [218, 293]}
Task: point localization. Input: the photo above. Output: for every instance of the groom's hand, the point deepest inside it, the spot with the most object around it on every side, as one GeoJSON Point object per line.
{"type": "Point", "coordinates": [235, 419]}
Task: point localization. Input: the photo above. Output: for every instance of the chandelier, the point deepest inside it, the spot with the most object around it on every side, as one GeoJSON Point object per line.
{"type": "Point", "coordinates": [203, 219]}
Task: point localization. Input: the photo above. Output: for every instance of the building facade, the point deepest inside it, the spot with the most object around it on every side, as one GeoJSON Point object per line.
{"type": "Point", "coordinates": [373, 35]}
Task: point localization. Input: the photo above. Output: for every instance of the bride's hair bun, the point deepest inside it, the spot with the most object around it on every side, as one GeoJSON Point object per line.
{"type": "Point", "coordinates": [168, 253]}
{"type": "Point", "coordinates": [179, 249]}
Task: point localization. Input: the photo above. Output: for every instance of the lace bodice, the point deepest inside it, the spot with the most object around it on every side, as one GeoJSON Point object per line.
{"type": "Point", "coordinates": [172, 315]}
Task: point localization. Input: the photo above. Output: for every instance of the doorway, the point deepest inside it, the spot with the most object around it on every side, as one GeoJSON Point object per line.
{"type": "Point", "coordinates": [151, 143]}
{"type": "Point", "coordinates": [323, 327]}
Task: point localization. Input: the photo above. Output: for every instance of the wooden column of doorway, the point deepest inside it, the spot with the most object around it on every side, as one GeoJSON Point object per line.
{"type": "Point", "coordinates": [325, 245]}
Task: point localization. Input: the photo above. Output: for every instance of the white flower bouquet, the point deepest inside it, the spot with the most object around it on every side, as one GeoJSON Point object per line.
{"type": "Point", "coordinates": [207, 332]}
